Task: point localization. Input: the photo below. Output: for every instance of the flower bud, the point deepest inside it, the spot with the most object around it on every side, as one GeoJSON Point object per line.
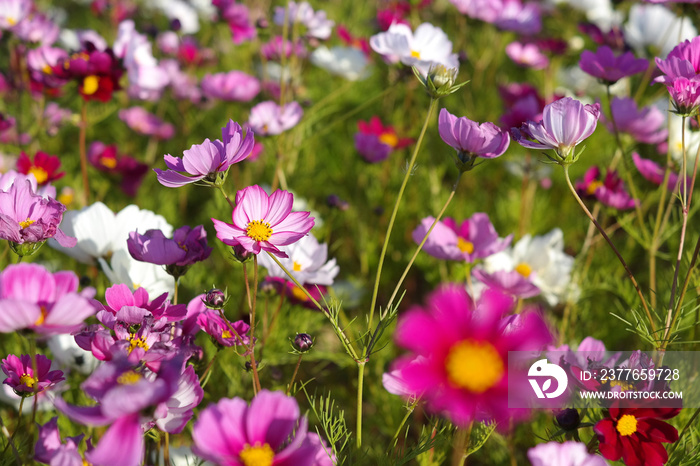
{"type": "Point", "coordinates": [215, 299]}
{"type": "Point", "coordinates": [303, 342]}
{"type": "Point", "coordinates": [439, 81]}
{"type": "Point", "coordinates": [568, 419]}
{"type": "Point", "coordinates": [240, 254]}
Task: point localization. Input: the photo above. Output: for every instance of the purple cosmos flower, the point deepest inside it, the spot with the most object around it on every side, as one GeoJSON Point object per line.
{"type": "Point", "coordinates": [647, 125]}
{"type": "Point", "coordinates": [565, 124]}
{"type": "Point", "coordinates": [50, 450]}
{"type": "Point", "coordinates": [270, 431]}
{"type": "Point", "coordinates": [143, 122]}
{"type": "Point", "coordinates": [604, 65]}
{"type": "Point", "coordinates": [208, 161]}
{"type": "Point", "coordinates": [22, 378]}
{"type": "Point", "coordinates": [563, 454]}
{"type": "Point", "coordinates": [517, 283]}
{"type": "Point", "coordinates": [261, 222]}
{"type": "Point", "coordinates": [34, 298]}
{"type": "Point", "coordinates": [234, 86]}
{"type": "Point", "coordinates": [26, 217]}
{"type": "Point", "coordinates": [609, 191]}
{"type": "Point", "coordinates": [187, 246]}
{"type": "Point", "coordinates": [474, 239]}
{"type": "Point", "coordinates": [268, 118]}
{"type": "Point", "coordinates": [471, 139]}
{"type": "Point", "coordinates": [527, 55]}
{"type": "Point", "coordinates": [215, 326]}
{"type": "Point", "coordinates": [654, 172]}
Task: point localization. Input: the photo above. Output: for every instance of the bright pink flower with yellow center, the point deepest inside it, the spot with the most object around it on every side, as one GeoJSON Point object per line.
{"type": "Point", "coordinates": [262, 222]}
{"type": "Point", "coordinates": [458, 360]}
{"type": "Point", "coordinates": [22, 377]}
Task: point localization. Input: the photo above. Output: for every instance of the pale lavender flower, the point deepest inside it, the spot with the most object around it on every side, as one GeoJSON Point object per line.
{"type": "Point", "coordinates": [646, 125]}
{"type": "Point", "coordinates": [316, 23]}
{"type": "Point", "coordinates": [268, 118]}
{"type": "Point", "coordinates": [563, 454]}
{"type": "Point", "coordinates": [604, 65]}
{"type": "Point", "coordinates": [13, 11]}
{"type": "Point", "coordinates": [234, 86]}
{"type": "Point", "coordinates": [38, 29]}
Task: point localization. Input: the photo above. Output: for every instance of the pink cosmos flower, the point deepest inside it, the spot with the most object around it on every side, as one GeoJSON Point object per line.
{"type": "Point", "coordinates": [268, 118]}
{"type": "Point", "coordinates": [654, 172]}
{"type": "Point", "coordinates": [22, 378]}
{"type": "Point", "coordinates": [604, 65]}
{"type": "Point", "coordinates": [610, 190]}
{"type": "Point", "coordinates": [209, 160]}
{"type": "Point", "coordinates": [143, 122]}
{"type": "Point", "coordinates": [238, 18]}
{"type": "Point", "coordinates": [234, 86]}
{"type": "Point", "coordinates": [563, 454]}
{"type": "Point", "coordinates": [215, 326]}
{"type": "Point", "coordinates": [646, 125]}
{"type": "Point", "coordinates": [262, 222]}
{"type": "Point", "coordinates": [565, 124]}
{"type": "Point", "coordinates": [34, 298]}
{"type": "Point", "coordinates": [50, 450]}
{"type": "Point", "coordinates": [26, 217]}
{"type": "Point", "coordinates": [37, 28]}
{"type": "Point", "coordinates": [375, 141]}
{"type": "Point", "coordinates": [516, 283]}
{"type": "Point", "coordinates": [471, 139]}
{"type": "Point", "coordinates": [464, 373]}
{"type": "Point", "coordinates": [527, 55]}
{"type": "Point", "coordinates": [681, 75]}
{"type": "Point", "coordinates": [276, 48]}
{"type": "Point", "coordinates": [475, 238]}
{"type": "Point", "coordinates": [270, 431]}
{"type": "Point", "coordinates": [522, 103]}
{"type": "Point", "coordinates": [316, 22]}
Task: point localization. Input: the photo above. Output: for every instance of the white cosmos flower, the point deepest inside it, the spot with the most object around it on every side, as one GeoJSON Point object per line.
{"type": "Point", "coordinates": [656, 26]}
{"type": "Point", "coordinates": [348, 62]}
{"type": "Point", "coordinates": [541, 259]}
{"type": "Point", "coordinates": [675, 140]}
{"type": "Point", "coordinates": [428, 46]}
{"type": "Point", "coordinates": [307, 261]}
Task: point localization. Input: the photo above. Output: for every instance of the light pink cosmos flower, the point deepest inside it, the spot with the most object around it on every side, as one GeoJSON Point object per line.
{"type": "Point", "coordinates": [268, 118]}
{"type": "Point", "coordinates": [565, 124]}
{"type": "Point", "coordinates": [234, 86]}
{"type": "Point", "coordinates": [262, 222]}
{"type": "Point", "coordinates": [33, 298]}
{"type": "Point", "coordinates": [527, 55]}
{"type": "Point", "coordinates": [144, 122]}
{"type": "Point", "coordinates": [563, 454]}
{"type": "Point", "coordinates": [474, 239]}
{"type": "Point", "coordinates": [208, 160]}
{"type": "Point", "coordinates": [270, 431]}
{"type": "Point", "coordinates": [464, 370]}
{"type": "Point", "coordinates": [511, 282]}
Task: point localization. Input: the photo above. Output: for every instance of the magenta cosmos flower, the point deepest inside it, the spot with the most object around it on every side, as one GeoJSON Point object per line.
{"type": "Point", "coordinates": [463, 372]}
{"type": "Point", "coordinates": [604, 65]}
{"type": "Point", "coordinates": [471, 139]}
{"type": "Point", "coordinates": [208, 161]}
{"type": "Point", "coordinates": [22, 378]}
{"type": "Point", "coordinates": [269, 432]}
{"type": "Point", "coordinates": [26, 217]}
{"type": "Point", "coordinates": [268, 118]}
{"type": "Point", "coordinates": [609, 190]}
{"type": "Point", "coordinates": [262, 222]}
{"type": "Point", "coordinates": [681, 75]}
{"type": "Point", "coordinates": [565, 124]}
{"type": "Point", "coordinates": [34, 298]}
{"type": "Point", "coordinates": [653, 172]}
{"type": "Point", "coordinates": [474, 239]}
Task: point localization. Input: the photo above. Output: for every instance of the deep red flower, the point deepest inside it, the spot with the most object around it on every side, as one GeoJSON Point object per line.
{"type": "Point", "coordinates": [97, 72]}
{"type": "Point", "coordinates": [636, 434]}
{"type": "Point", "coordinates": [106, 159]}
{"type": "Point", "coordinates": [44, 167]}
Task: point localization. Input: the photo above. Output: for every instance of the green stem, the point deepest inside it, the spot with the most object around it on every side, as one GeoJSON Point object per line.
{"type": "Point", "coordinates": [612, 246]}
{"type": "Point", "coordinates": [390, 227]}
{"type": "Point", "coordinates": [360, 381]}
{"type": "Point", "coordinates": [409, 411]}
{"type": "Point", "coordinates": [230, 202]}
{"type": "Point", "coordinates": [296, 282]}
{"type": "Point", "coordinates": [294, 375]}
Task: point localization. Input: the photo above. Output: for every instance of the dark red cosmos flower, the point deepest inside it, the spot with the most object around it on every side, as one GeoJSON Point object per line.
{"type": "Point", "coordinates": [636, 434]}
{"type": "Point", "coordinates": [97, 72]}
{"type": "Point", "coordinates": [44, 167]}
{"type": "Point", "coordinates": [106, 159]}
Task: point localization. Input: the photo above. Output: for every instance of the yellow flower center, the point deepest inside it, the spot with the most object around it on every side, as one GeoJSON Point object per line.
{"type": "Point", "coordinates": [28, 381]}
{"type": "Point", "coordinates": [259, 455]}
{"type": "Point", "coordinates": [137, 343]}
{"type": "Point", "coordinates": [40, 174]}
{"type": "Point", "coordinates": [47, 69]}
{"type": "Point", "coordinates": [66, 197]}
{"type": "Point", "coordinates": [42, 316]}
{"type": "Point", "coordinates": [26, 223]}
{"type": "Point", "coordinates": [627, 425]}
{"type": "Point", "coordinates": [258, 230]}
{"type": "Point", "coordinates": [390, 139]}
{"type": "Point", "coordinates": [226, 334]}
{"type": "Point", "coordinates": [590, 190]}
{"type": "Point", "coordinates": [91, 84]}
{"type": "Point", "coordinates": [299, 294]}
{"type": "Point", "coordinates": [128, 378]}
{"type": "Point", "coordinates": [474, 365]}
{"type": "Point", "coordinates": [524, 269]}
{"type": "Point", "coordinates": [465, 246]}
{"type": "Point", "coordinates": [108, 162]}
{"type": "Point", "coordinates": [11, 21]}
{"type": "Point", "coordinates": [415, 54]}
{"type": "Point", "coordinates": [296, 267]}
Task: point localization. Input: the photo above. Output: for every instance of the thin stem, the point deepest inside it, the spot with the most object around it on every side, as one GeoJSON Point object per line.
{"type": "Point", "coordinates": [177, 281]}
{"type": "Point", "coordinates": [83, 154]}
{"type": "Point", "coordinates": [390, 227]}
{"type": "Point", "coordinates": [425, 238]}
{"type": "Point", "coordinates": [249, 348]}
{"type": "Point", "coordinates": [296, 282]}
{"type": "Point", "coordinates": [461, 441]}
{"type": "Point", "coordinates": [360, 382]}
{"type": "Point", "coordinates": [6, 433]}
{"type": "Point", "coordinates": [207, 369]}
{"type": "Point", "coordinates": [409, 410]}
{"type": "Point", "coordinates": [684, 204]}
{"type": "Point", "coordinates": [230, 202]}
{"type": "Point", "coordinates": [612, 246]}
{"type": "Point", "coordinates": [166, 451]}
{"type": "Point", "coordinates": [294, 375]}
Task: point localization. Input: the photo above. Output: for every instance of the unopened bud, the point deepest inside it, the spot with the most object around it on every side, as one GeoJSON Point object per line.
{"type": "Point", "coordinates": [439, 81]}
{"type": "Point", "coordinates": [568, 419]}
{"type": "Point", "coordinates": [215, 299]}
{"type": "Point", "coordinates": [303, 342]}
